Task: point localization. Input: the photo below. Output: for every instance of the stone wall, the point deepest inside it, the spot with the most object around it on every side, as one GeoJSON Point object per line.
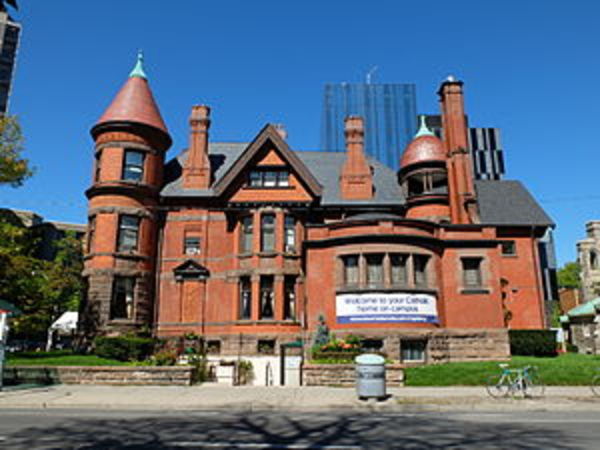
{"type": "Point", "coordinates": [585, 334]}
{"type": "Point", "coordinates": [344, 375]}
{"type": "Point", "coordinates": [111, 375]}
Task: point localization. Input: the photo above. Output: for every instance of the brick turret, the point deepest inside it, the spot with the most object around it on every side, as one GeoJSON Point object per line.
{"type": "Point", "coordinates": [130, 142]}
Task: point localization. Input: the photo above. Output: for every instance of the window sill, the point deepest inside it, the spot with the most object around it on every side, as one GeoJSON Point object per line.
{"type": "Point", "coordinates": [474, 291]}
{"type": "Point", "coordinates": [267, 322]}
{"type": "Point", "coordinates": [513, 255]}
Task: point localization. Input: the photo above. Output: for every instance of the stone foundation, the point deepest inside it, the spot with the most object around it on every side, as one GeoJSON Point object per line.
{"type": "Point", "coordinates": [344, 375]}
{"type": "Point", "coordinates": [111, 375]}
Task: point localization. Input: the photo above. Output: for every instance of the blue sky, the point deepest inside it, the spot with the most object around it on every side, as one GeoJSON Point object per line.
{"type": "Point", "coordinates": [530, 68]}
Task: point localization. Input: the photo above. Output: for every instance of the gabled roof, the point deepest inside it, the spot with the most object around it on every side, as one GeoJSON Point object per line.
{"type": "Point", "coordinates": [324, 166]}
{"type": "Point", "coordinates": [507, 202]}
{"type": "Point", "coordinates": [268, 133]}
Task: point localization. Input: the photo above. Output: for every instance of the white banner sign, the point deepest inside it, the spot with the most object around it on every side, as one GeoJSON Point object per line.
{"type": "Point", "coordinates": [386, 308]}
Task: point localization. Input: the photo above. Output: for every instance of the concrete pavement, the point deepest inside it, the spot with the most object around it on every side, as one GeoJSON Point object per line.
{"type": "Point", "coordinates": [214, 397]}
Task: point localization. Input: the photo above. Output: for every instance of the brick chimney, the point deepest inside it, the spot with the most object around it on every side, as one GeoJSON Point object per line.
{"type": "Point", "coordinates": [196, 171]}
{"type": "Point", "coordinates": [463, 202]}
{"type": "Point", "coordinates": [281, 130]}
{"type": "Point", "coordinates": [356, 180]}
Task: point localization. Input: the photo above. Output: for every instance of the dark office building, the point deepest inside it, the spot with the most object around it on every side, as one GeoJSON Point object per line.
{"type": "Point", "coordinates": [485, 147]}
{"type": "Point", "coordinates": [9, 43]}
{"type": "Point", "coordinates": [389, 111]}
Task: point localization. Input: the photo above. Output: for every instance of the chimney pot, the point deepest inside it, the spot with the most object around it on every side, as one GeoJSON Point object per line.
{"type": "Point", "coordinates": [281, 130]}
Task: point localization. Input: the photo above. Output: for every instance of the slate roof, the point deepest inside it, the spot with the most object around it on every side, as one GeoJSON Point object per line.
{"type": "Point", "coordinates": [325, 166]}
{"type": "Point", "coordinates": [502, 202]}
{"type": "Point", "coordinates": [507, 202]}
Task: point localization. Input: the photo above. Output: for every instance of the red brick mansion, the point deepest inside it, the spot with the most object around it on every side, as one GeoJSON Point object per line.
{"type": "Point", "coordinates": [252, 245]}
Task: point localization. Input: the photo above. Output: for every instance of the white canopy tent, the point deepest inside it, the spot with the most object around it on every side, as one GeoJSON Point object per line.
{"type": "Point", "coordinates": [65, 324]}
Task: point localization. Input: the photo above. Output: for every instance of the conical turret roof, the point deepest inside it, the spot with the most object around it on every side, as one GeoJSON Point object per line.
{"type": "Point", "coordinates": [135, 102]}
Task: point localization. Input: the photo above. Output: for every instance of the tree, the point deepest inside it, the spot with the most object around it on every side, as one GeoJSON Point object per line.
{"type": "Point", "coordinates": [569, 275]}
{"type": "Point", "coordinates": [43, 290]}
{"type": "Point", "coordinates": [12, 3]}
{"type": "Point", "coordinates": [14, 169]}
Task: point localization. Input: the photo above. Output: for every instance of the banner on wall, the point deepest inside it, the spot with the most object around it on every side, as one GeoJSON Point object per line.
{"type": "Point", "coordinates": [386, 308]}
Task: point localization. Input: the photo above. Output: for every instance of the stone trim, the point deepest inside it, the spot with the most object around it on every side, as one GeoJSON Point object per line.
{"type": "Point", "coordinates": [130, 210]}
{"type": "Point", "coordinates": [344, 375]}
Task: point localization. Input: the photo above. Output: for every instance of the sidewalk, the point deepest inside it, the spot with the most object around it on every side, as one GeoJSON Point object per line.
{"type": "Point", "coordinates": [213, 397]}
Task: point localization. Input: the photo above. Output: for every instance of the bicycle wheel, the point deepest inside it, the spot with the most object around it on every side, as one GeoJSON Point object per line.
{"type": "Point", "coordinates": [595, 386]}
{"type": "Point", "coordinates": [533, 386]}
{"type": "Point", "coordinates": [497, 386]}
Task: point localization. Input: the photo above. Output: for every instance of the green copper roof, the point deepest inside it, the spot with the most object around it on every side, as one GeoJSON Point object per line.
{"type": "Point", "coordinates": [138, 70]}
{"type": "Point", "coordinates": [423, 130]}
{"type": "Point", "coordinates": [585, 309]}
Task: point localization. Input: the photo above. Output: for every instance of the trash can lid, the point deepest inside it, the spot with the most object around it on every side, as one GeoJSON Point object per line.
{"type": "Point", "coordinates": [370, 359]}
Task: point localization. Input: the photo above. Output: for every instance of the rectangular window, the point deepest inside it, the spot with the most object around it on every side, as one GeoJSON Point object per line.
{"type": "Point", "coordinates": [91, 234]}
{"type": "Point", "coordinates": [97, 167]}
{"type": "Point", "coordinates": [128, 233]}
{"type": "Point", "coordinates": [413, 350]}
{"type": "Point", "coordinates": [272, 178]}
{"type": "Point", "coordinates": [350, 270]}
{"type": "Point", "coordinates": [289, 292]}
{"type": "Point", "coordinates": [509, 248]}
{"type": "Point", "coordinates": [246, 234]}
{"type": "Point", "coordinates": [191, 244]}
{"type": "Point", "coordinates": [245, 298]}
{"type": "Point", "coordinates": [420, 270]}
{"type": "Point", "coordinates": [290, 234]}
{"type": "Point", "coordinates": [472, 272]}
{"type": "Point", "coordinates": [399, 271]}
{"type": "Point", "coordinates": [374, 270]}
{"type": "Point", "coordinates": [133, 165]}
{"type": "Point", "coordinates": [267, 233]}
{"type": "Point", "coordinates": [213, 347]}
{"type": "Point", "coordinates": [266, 346]}
{"type": "Point", "coordinates": [121, 306]}
{"type": "Point", "coordinates": [267, 298]}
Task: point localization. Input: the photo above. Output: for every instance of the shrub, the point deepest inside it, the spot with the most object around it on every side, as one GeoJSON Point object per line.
{"type": "Point", "coordinates": [123, 348]}
{"type": "Point", "coordinates": [245, 372]}
{"type": "Point", "coordinates": [200, 368]}
{"type": "Point", "coordinates": [164, 358]}
{"type": "Point", "coordinates": [532, 342]}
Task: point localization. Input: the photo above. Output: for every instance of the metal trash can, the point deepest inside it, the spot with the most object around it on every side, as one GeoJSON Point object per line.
{"type": "Point", "coordinates": [370, 376]}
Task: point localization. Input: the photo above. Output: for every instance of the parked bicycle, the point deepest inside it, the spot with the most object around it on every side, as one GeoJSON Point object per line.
{"type": "Point", "coordinates": [513, 381]}
{"type": "Point", "coordinates": [595, 385]}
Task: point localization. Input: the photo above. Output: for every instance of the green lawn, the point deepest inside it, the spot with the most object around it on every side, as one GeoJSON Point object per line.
{"type": "Point", "coordinates": [567, 369]}
{"type": "Point", "coordinates": [58, 358]}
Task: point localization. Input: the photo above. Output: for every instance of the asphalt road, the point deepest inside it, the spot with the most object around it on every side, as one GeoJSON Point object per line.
{"type": "Point", "coordinates": [107, 429]}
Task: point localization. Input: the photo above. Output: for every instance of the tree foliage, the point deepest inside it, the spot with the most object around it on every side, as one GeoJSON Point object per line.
{"type": "Point", "coordinates": [42, 289]}
{"type": "Point", "coordinates": [14, 169]}
{"type": "Point", "coordinates": [569, 275]}
{"type": "Point", "coordinates": [12, 3]}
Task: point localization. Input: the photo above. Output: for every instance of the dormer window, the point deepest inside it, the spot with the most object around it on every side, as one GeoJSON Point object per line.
{"type": "Point", "coordinates": [269, 178]}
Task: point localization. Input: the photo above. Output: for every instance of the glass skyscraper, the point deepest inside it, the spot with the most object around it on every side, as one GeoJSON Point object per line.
{"type": "Point", "coordinates": [389, 111]}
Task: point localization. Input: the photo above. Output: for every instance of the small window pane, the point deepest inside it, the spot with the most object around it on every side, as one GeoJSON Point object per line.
{"type": "Point", "coordinates": [283, 178]}
{"type": "Point", "coordinates": [245, 298]}
{"type": "Point", "coordinates": [375, 270]}
{"type": "Point", "coordinates": [290, 234]}
{"type": "Point", "coordinates": [267, 298]}
{"type": "Point", "coordinates": [122, 298]}
{"type": "Point", "coordinates": [399, 273]}
{"type": "Point", "coordinates": [270, 178]}
{"type": "Point", "coordinates": [246, 238]}
{"type": "Point", "coordinates": [255, 179]}
{"type": "Point", "coordinates": [509, 248]}
{"type": "Point", "coordinates": [413, 350]}
{"type": "Point", "coordinates": [191, 245]}
{"type": "Point", "coordinates": [267, 232]}
{"type": "Point", "coordinates": [128, 233]}
{"type": "Point", "coordinates": [350, 270]}
{"type": "Point", "coordinates": [472, 272]}
{"type": "Point", "coordinates": [289, 310]}
{"type": "Point", "coordinates": [133, 167]}
{"type": "Point", "coordinates": [420, 268]}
